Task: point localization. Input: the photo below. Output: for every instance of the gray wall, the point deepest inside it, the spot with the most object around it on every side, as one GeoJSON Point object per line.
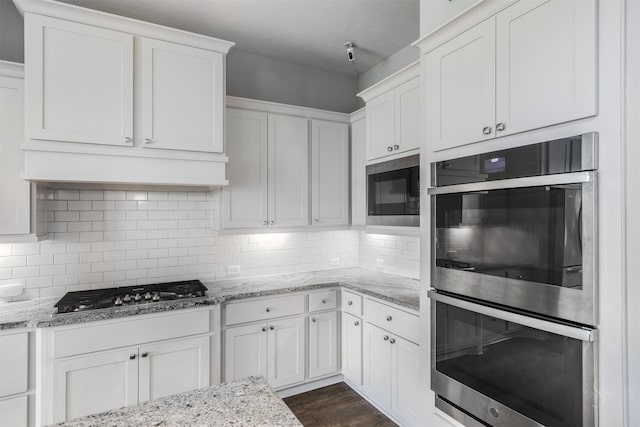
{"type": "Point", "coordinates": [434, 13]}
{"type": "Point", "coordinates": [11, 33]}
{"type": "Point", "coordinates": [395, 62]}
{"type": "Point", "coordinates": [256, 76]}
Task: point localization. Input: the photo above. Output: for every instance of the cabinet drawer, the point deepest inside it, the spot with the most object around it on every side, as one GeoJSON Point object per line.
{"type": "Point", "coordinates": [352, 303]}
{"type": "Point", "coordinates": [14, 359]}
{"type": "Point", "coordinates": [13, 412]}
{"type": "Point", "coordinates": [392, 319]}
{"type": "Point", "coordinates": [85, 339]}
{"type": "Point", "coordinates": [262, 309]}
{"type": "Point", "coordinates": [325, 300]}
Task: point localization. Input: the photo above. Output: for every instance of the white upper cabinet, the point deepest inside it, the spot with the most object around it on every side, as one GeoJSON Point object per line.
{"type": "Point", "coordinates": [393, 114]}
{"type": "Point", "coordinates": [461, 88]}
{"type": "Point", "coordinates": [244, 201]}
{"type": "Point", "coordinates": [358, 173]}
{"type": "Point", "coordinates": [531, 65]}
{"type": "Point", "coordinates": [546, 64]}
{"type": "Point", "coordinates": [288, 171]}
{"type": "Point", "coordinates": [181, 97]}
{"type": "Point", "coordinates": [80, 82]}
{"type": "Point", "coordinates": [268, 170]}
{"type": "Point", "coordinates": [330, 173]}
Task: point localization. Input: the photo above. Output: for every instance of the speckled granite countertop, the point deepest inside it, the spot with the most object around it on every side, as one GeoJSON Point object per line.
{"type": "Point", "coordinates": [400, 290]}
{"type": "Point", "coordinates": [247, 402]}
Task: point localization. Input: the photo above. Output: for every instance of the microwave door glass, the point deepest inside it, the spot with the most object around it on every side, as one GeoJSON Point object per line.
{"type": "Point", "coordinates": [394, 193]}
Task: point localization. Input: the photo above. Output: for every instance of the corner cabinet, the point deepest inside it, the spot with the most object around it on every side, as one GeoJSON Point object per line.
{"type": "Point", "coordinates": [101, 88]}
{"type": "Point", "coordinates": [329, 173]}
{"type": "Point", "coordinates": [531, 65]}
{"type": "Point", "coordinates": [393, 114]}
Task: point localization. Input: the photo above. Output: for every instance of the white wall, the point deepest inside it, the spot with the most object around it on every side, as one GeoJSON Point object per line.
{"type": "Point", "coordinates": [115, 238]}
{"type": "Point", "coordinates": [434, 13]}
{"type": "Point", "coordinates": [11, 33]}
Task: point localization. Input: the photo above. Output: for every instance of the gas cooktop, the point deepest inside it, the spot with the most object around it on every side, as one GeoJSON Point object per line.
{"type": "Point", "coordinates": [129, 296]}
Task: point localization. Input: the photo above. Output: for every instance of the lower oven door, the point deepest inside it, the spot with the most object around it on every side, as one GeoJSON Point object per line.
{"type": "Point", "coordinates": [508, 369]}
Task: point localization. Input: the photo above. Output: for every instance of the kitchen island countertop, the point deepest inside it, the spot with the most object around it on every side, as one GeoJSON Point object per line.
{"type": "Point", "coordinates": [246, 402]}
{"type": "Point", "coordinates": [400, 290]}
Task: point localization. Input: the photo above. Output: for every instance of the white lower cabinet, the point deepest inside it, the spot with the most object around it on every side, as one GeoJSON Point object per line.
{"type": "Point", "coordinates": [323, 344]}
{"type": "Point", "coordinates": [274, 350]}
{"type": "Point", "coordinates": [14, 379]}
{"type": "Point", "coordinates": [352, 348]}
{"type": "Point", "coordinates": [14, 412]}
{"type": "Point", "coordinates": [377, 364]}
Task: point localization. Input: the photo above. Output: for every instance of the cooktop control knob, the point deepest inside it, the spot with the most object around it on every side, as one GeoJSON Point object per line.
{"type": "Point", "coordinates": [126, 298]}
{"type": "Point", "coordinates": [137, 297]}
{"type": "Point", "coordinates": [147, 296]}
{"type": "Point", "coordinates": [156, 296]}
{"type": "Point", "coordinates": [118, 301]}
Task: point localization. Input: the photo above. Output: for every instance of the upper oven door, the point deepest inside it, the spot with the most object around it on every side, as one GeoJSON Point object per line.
{"type": "Point", "coordinates": [393, 192]}
{"type": "Point", "coordinates": [531, 246]}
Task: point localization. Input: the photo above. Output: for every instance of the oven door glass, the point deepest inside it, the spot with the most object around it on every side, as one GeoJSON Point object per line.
{"type": "Point", "coordinates": [535, 373]}
{"type": "Point", "coordinates": [394, 192]}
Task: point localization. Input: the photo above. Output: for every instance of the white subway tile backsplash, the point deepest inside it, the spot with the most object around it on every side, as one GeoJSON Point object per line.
{"type": "Point", "coordinates": [117, 238]}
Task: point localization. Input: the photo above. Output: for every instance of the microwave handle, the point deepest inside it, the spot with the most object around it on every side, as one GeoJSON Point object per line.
{"type": "Point", "coordinates": [530, 181]}
{"type": "Point", "coordinates": [582, 334]}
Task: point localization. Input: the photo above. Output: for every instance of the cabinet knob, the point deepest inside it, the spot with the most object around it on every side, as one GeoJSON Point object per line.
{"type": "Point", "coordinates": [313, 319]}
{"type": "Point", "coordinates": [386, 338]}
{"type": "Point", "coordinates": [393, 341]}
{"type": "Point", "coordinates": [350, 303]}
{"type": "Point", "coordinates": [486, 130]}
{"type": "Point", "coordinates": [324, 301]}
{"type": "Point", "coordinates": [389, 148]}
{"type": "Point", "coordinates": [133, 356]}
{"type": "Point", "coordinates": [389, 318]}
{"type": "Point", "coordinates": [316, 220]}
{"type": "Point", "coordinates": [356, 323]}
{"type": "Point", "coordinates": [501, 127]}
{"type": "Point", "coordinates": [128, 139]}
{"type": "Point", "coordinates": [396, 147]}
{"type": "Point", "coordinates": [271, 327]}
{"type": "Point", "coordinates": [268, 310]}
{"type": "Point", "coordinates": [264, 329]}
{"type": "Point", "coordinates": [265, 222]}
{"type": "Point", "coordinates": [145, 354]}
{"type": "Point", "coordinates": [272, 222]}
{"type": "Point", "coordinates": [148, 140]}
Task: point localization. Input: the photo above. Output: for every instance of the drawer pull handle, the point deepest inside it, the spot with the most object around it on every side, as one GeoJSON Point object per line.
{"type": "Point", "coordinates": [393, 341]}
{"type": "Point", "coordinates": [271, 327]}
{"type": "Point", "coordinates": [145, 354]}
{"type": "Point", "coordinates": [132, 357]}
{"type": "Point", "coordinates": [268, 309]}
{"type": "Point", "coordinates": [389, 318]}
{"type": "Point", "coordinates": [386, 338]}
{"type": "Point", "coordinates": [350, 303]}
{"type": "Point", "coordinates": [356, 323]}
{"type": "Point", "coordinates": [264, 329]}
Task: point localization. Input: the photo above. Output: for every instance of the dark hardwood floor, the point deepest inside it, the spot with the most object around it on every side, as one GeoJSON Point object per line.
{"type": "Point", "coordinates": [335, 405]}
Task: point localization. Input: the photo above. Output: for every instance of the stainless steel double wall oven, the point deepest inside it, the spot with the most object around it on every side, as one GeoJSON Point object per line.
{"type": "Point", "coordinates": [514, 268]}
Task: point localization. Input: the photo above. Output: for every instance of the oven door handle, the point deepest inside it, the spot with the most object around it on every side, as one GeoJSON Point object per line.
{"type": "Point", "coordinates": [530, 181]}
{"type": "Point", "coordinates": [576, 332]}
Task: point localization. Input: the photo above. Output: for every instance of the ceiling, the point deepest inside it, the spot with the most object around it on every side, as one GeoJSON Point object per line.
{"type": "Point", "coordinates": [310, 32]}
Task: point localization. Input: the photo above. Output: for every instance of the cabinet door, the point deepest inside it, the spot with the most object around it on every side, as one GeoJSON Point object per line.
{"type": "Point", "coordinates": [288, 171]}
{"type": "Point", "coordinates": [546, 63]}
{"type": "Point", "coordinates": [14, 359]}
{"type": "Point", "coordinates": [182, 97]}
{"type": "Point", "coordinates": [352, 348]}
{"type": "Point", "coordinates": [245, 352]}
{"type": "Point", "coordinates": [358, 173]}
{"type": "Point", "coordinates": [381, 132]}
{"type": "Point", "coordinates": [323, 344]}
{"type": "Point", "coordinates": [80, 82]}
{"type": "Point", "coordinates": [244, 200]}
{"type": "Point", "coordinates": [377, 364]}
{"type": "Point", "coordinates": [173, 367]}
{"type": "Point", "coordinates": [460, 88]}
{"type": "Point", "coordinates": [94, 383]}
{"type": "Point", "coordinates": [14, 412]}
{"type": "Point", "coordinates": [14, 205]}
{"type": "Point", "coordinates": [405, 380]}
{"type": "Point", "coordinates": [286, 359]}
{"type": "Point", "coordinates": [330, 173]}
{"type": "Point", "coordinates": [407, 99]}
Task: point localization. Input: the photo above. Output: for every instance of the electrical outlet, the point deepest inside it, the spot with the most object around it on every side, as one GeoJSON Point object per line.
{"type": "Point", "coordinates": [233, 270]}
{"type": "Point", "coordinates": [380, 264]}
{"type": "Point", "coordinates": [334, 261]}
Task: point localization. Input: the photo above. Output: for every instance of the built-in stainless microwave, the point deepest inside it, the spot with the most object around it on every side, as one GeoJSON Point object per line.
{"type": "Point", "coordinates": [393, 192]}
